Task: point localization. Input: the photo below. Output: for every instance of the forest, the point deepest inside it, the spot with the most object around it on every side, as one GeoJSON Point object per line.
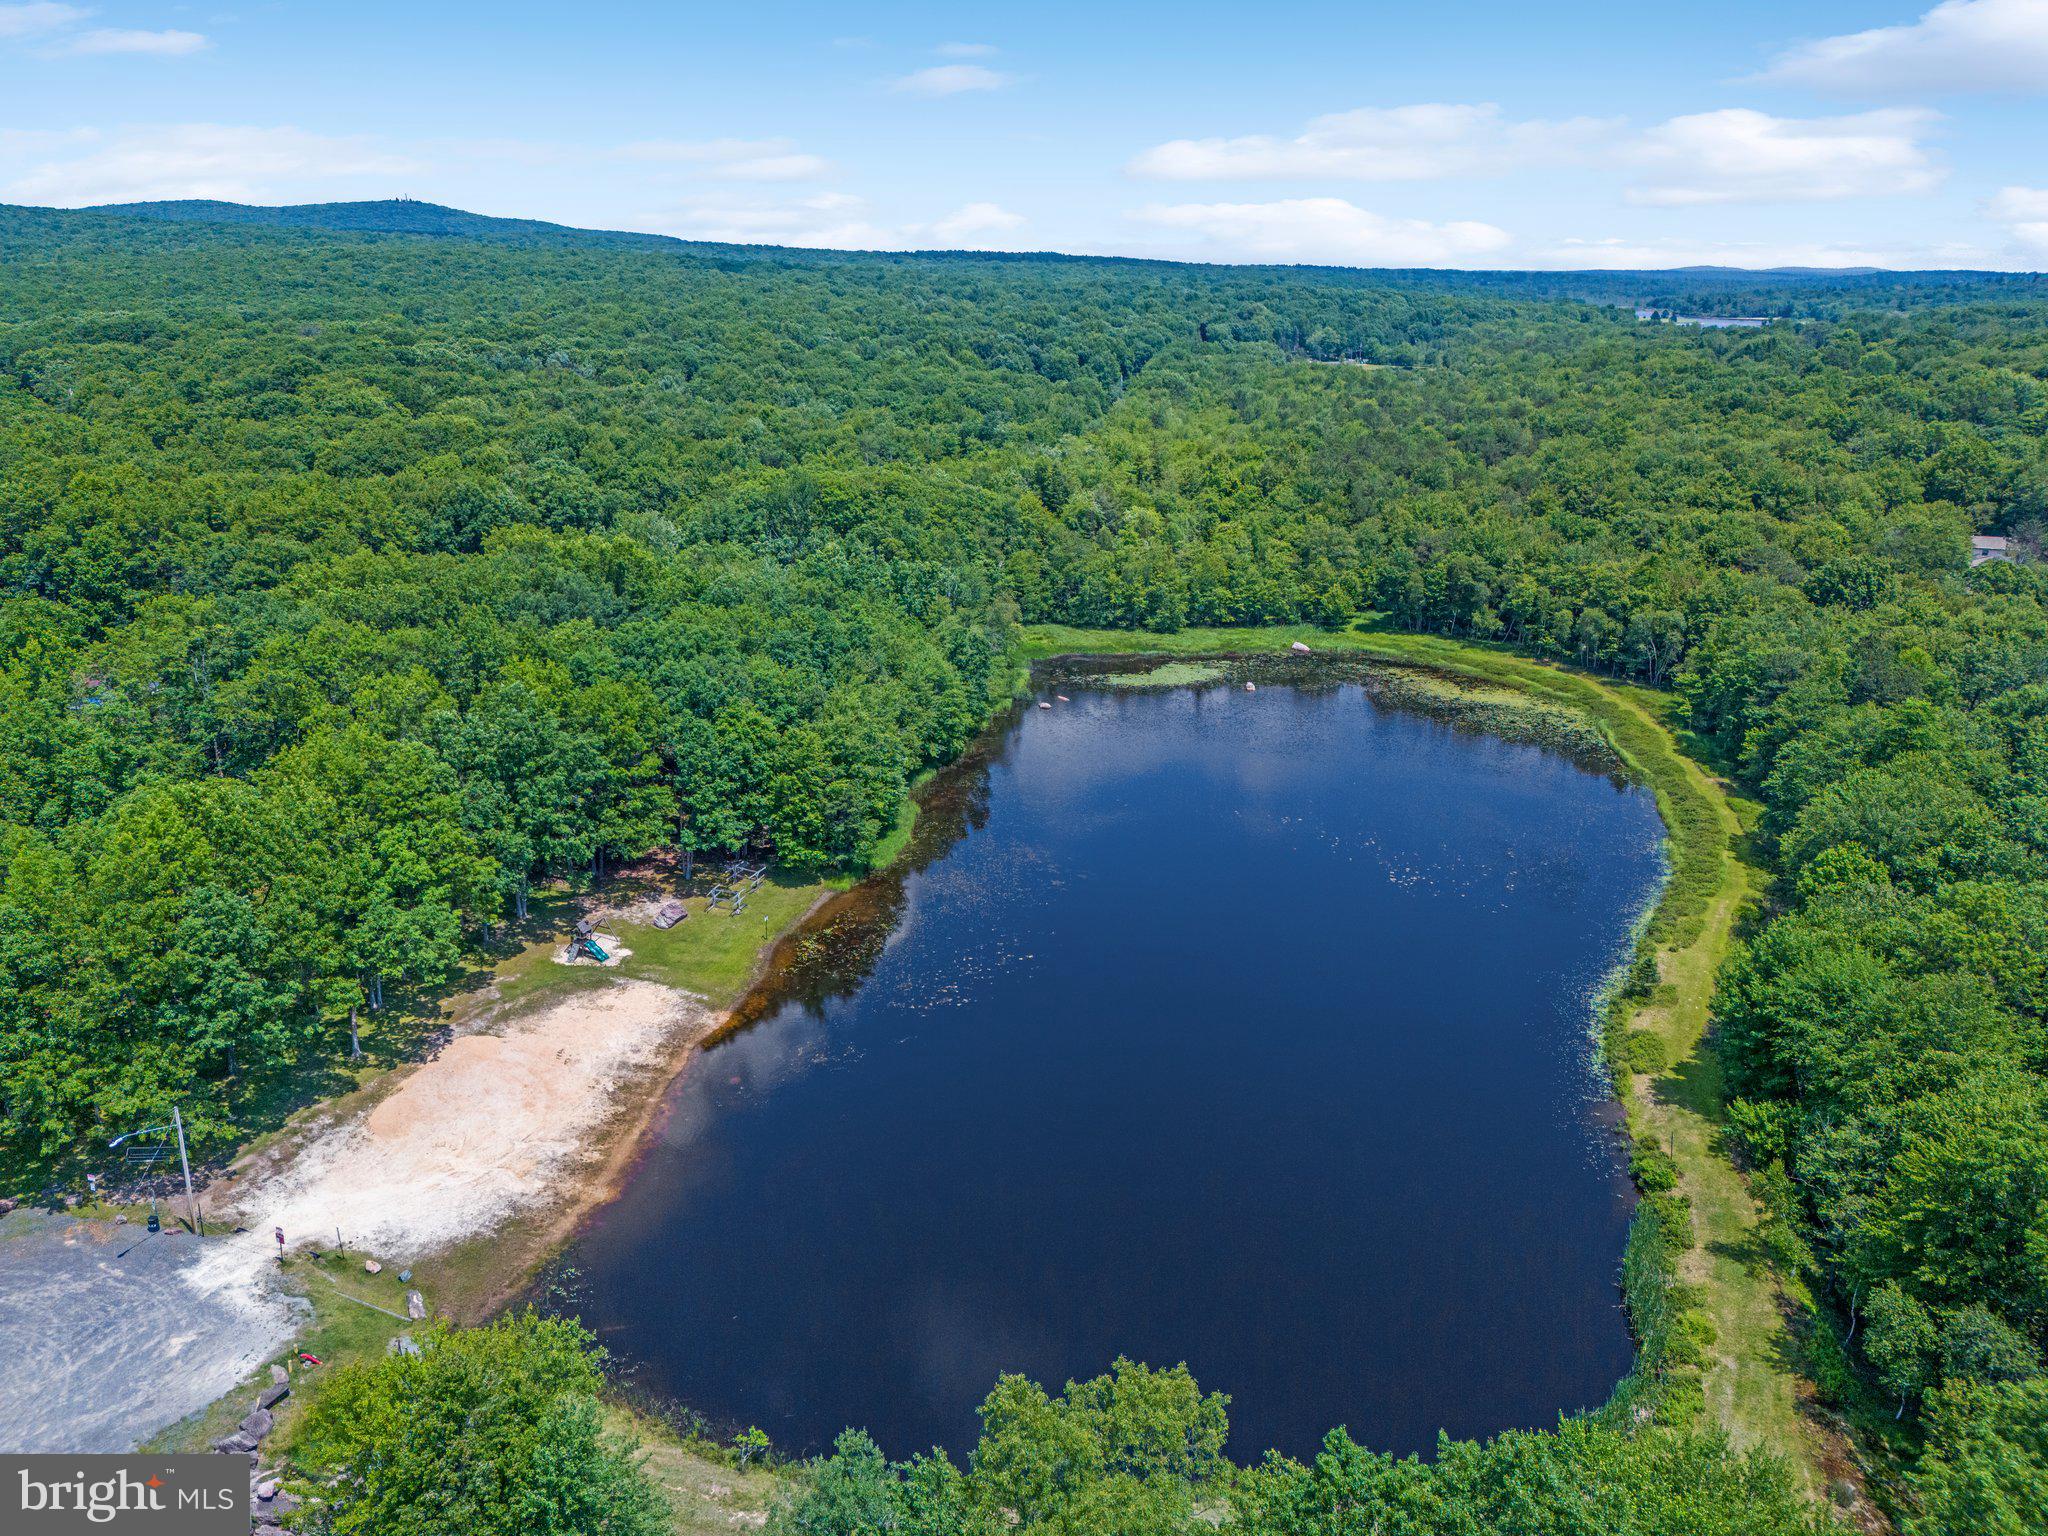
{"type": "Point", "coordinates": [359, 578]}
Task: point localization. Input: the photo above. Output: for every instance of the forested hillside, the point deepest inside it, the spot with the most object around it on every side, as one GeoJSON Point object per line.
{"type": "Point", "coordinates": [355, 582]}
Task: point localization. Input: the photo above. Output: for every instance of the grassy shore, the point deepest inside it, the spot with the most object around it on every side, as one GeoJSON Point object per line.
{"type": "Point", "coordinates": [1746, 1381]}
{"type": "Point", "coordinates": [1696, 820]}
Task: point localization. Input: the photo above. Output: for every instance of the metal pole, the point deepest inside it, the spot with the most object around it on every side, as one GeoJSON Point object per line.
{"type": "Point", "coordinates": [191, 1201]}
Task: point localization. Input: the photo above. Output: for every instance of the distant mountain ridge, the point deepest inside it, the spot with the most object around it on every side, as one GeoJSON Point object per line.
{"type": "Point", "coordinates": [387, 216]}
{"type": "Point", "coordinates": [1697, 289]}
{"type": "Point", "coordinates": [407, 216]}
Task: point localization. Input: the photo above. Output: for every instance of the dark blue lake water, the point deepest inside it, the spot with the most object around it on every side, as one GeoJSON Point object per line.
{"type": "Point", "coordinates": [1244, 1029]}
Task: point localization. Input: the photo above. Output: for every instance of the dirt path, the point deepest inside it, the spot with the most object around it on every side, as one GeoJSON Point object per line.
{"type": "Point", "coordinates": [1750, 1386]}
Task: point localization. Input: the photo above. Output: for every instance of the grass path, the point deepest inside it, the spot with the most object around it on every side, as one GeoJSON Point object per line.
{"type": "Point", "coordinates": [1750, 1386]}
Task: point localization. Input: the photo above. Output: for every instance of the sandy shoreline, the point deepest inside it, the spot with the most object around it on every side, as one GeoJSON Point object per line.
{"type": "Point", "coordinates": [501, 1126]}
{"type": "Point", "coordinates": [496, 1145]}
{"type": "Point", "coordinates": [610, 1152]}
{"type": "Point", "coordinates": [472, 1167]}
{"type": "Point", "coordinates": [507, 1138]}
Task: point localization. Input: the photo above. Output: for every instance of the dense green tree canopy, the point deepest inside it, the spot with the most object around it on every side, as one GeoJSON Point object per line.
{"type": "Point", "coordinates": [1139, 1453]}
{"type": "Point", "coordinates": [492, 1431]}
{"type": "Point", "coordinates": [353, 582]}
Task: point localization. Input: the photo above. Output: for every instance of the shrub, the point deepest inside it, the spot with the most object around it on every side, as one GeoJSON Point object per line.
{"type": "Point", "coordinates": [1653, 1169]}
{"type": "Point", "coordinates": [1827, 1365]}
{"type": "Point", "coordinates": [1642, 1051]}
{"type": "Point", "coordinates": [1641, 979]}
{"type": "Point", "coordinates": [1691, 1339]}
{"type": "Point", "coordinates": [1979, 1345]}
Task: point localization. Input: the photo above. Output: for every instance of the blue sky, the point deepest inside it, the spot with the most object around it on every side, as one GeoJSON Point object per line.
{"type": "Point", "coordinates": [1460, 133]}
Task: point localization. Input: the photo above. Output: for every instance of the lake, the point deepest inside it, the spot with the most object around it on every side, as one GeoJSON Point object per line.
{"type": "Point", "coordinates": [1708, 322]}
{"type": "Point", "coordinates": [1246, 1029]}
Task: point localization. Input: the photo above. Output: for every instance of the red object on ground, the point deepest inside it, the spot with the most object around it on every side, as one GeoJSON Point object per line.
{"type": "Point", "coordinates": [309, 1359]}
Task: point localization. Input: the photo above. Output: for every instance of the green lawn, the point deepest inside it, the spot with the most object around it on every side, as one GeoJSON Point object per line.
{"type": "Point", "coordinates": [1749, 1385]}
{"type": "Point", "coordinates": [350, 1320]}
{"type": "Point", "coordinates": [713, 953]}
{"type": "Point", "coordinates": [716, 953]}
{"type": "Point", "coordinates": [1043, 640]}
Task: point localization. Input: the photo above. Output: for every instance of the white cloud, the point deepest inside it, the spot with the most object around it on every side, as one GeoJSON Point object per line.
{"type": "Point", "coordinates": [164, 44]}
{"type": "Point", "coordinates": [1960, 45]}
{"type": "Point", "coordinates": [834, 221]}
{"type": "Point", "coordinates": [830, 220]}
{"type": "Point", "coordinates": [2024, 213]}
{"type": "Point", "coordinates": [56, 22]}
{"type": "Point", "coordinates": [200, 160]}
{"type": "Point", "coordinates": [2032, 239]}
{"type": "Point", "coordinates": [1639, 255]}
{"type": "Point", "coordinates": [974, 220]}
{"type": "Point", "coordinates": [1735, 155]}
{"type": "Point", "coordinates": [950, 80]}
{"type": "Point", "coordinates": [966, 50]}
{"type": "Point", "coordinates": [731, 159]}
{"type": "Point", "coordinates": [1412, 143]}
{"type": "Point", "coordinates": [35, 20]}
{"type": "Point", "coordinates": [1323, 229]}
{"type": "Point", "coordinates": [2014, 204]}
{"type": "Point", "coordinates": [1741, 156]}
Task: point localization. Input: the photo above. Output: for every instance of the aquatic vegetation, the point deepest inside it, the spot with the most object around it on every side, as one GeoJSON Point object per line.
{"type": "Point", "coordinates": [1168, 674]}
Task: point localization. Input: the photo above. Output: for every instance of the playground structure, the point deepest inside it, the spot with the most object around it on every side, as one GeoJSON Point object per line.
{"type": "Point", "coordinates": [142, 1159]}
{"type": "Point", "coordinates": [736, 882]}
{"type": "Point", "coordinates": [731, 885]}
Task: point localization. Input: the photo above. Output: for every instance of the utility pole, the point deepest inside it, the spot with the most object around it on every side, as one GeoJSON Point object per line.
{"type": "Point", "coordinates": [191, 1201]}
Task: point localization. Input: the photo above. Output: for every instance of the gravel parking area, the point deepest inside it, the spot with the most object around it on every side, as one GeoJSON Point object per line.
{"type": "Point", "coordinates": [105, 1338]}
